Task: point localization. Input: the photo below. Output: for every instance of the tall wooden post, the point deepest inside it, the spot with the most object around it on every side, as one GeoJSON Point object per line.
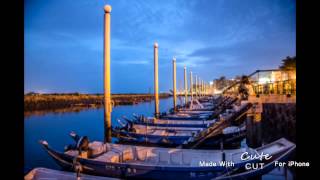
{"type": "Point", "coordinates": [196, 86]}
{"type": "Point", "coordinates": [199, 86]}
{"type": "Point", "coordinates": [191, 86]}
{"type": "Point", "coordinates": [202, 87]}
{"type": "Point", "coordinates": [107, 86]}
{"type": "Point", "coordinates": [185, 86]}
{"type": "Point", "coordinates": [201, 90]}
{"type": "Point", "coordinates": [156, 85]}
{"type": "Point", "coordinates": [207, 88]}
{"type": "Point", "coordinates": [174, 83]}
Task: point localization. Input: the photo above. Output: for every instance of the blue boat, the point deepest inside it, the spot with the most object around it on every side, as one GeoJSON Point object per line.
{"type": "Point", "coordinates": [140, 162]}
{"type": "Point", "coordinates": [199, 114]}
{"type": "Point", "coordinates": [174, 136]}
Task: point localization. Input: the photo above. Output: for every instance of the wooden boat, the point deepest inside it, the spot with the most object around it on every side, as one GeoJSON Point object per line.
{"type": "Point", "coordinates": [45, 173]}
{"type": "Point", "coordinates": [230, 137]}
{"type": "Point", "coordinates": [128, 161]}
{"type": "Point", "coordinates": [202, 103]}
{"type": "Point", "coordinates": [187, 119]}
{"type": "Point", "coordinates": [195, 114]}
{"type": "Point", "coordinates": [242, 173]}
{"type": "Point", "coordinates": [173, 136]}
{"type": "Point", "coordinates": [172, 123]}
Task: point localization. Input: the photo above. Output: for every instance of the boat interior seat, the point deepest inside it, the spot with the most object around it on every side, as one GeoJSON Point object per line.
{"type": "Point", "coordinates": [152, 156]}
{"type": "Point", "coordinates": [187, 158]}
{"type": "Point", "coordinates": [97, 148]}
{"type": "Point", "coordinates": [128, 153]}
{"type": "Point", "coordinates": [125, 152]}
{"type": "Point", "coordinates": [141, 153]}
{"type": "Point", "coordinates": [208, 157]}
{"type": "Point", "coordinates": [176, 158]}
{"type": "Point", "coordinates": [111, 156]}
{"type": "Point", "coordinates": [119, 153]}
{"type": "Point", "coordinates": [164, 157]}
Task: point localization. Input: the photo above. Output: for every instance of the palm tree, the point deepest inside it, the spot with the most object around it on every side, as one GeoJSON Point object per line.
{"type": "Point", "coordinates": [289, 63]}
{"type": "Point", "coordinates": [242, 89]}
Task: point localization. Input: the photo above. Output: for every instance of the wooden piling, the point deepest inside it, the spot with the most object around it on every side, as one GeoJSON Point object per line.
{"type": "Point", "coordinates": [174, 83]}
{"type": "Point", "coordinates": [107, 86]}
{"type": "Point", "coordinates": [196, 86]}
{"type": "Point", "coordinates": [185, 86]}
{"type": "Point", "coordinates": [156, 85]}
{"type": "Point", "coordinates": [191, 86]}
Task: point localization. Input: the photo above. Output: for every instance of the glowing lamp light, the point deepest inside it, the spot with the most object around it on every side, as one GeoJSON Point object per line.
{"type": "Point", "coordinates": [263, 80]}
{"type": "Point", "coordinates": [217, 92]}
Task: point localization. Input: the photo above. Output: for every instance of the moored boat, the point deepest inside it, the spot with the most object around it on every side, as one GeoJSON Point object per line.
{"type": "Point", "coordinates": [194, 114]}
{"type": "Point", "coordinates": [173, 136]}
{"type": "Point", "coordinates": [127, 161]}
{"type": "Point", "coordinates": [269, 165]}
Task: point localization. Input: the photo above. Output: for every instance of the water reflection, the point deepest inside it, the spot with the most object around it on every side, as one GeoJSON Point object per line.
{"type": "Point", "coordinates": [54, 126]}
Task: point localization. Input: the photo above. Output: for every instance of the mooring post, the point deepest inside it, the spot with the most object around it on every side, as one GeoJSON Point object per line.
{"type": "Point", "coordinates": [174, 84]}
{"type": "Point", "coordinates": [196, 88]}
{"type": "Point", "coordinates": [199, 87]}
{"type": "Point", "coordinates": [156, 85]}
{"type": "Point", "coordinates": [191, 86]}
{"type": "Point", "coordinates": [202, 87]}
{"type": "Point", "coordinates": [107, 86]}
{"type": "Point", "coordinates": [204, 91]}
{"type": "Point", "coordinates": [185, 86]}
{"type": "Point", "coordinates": [206, 88]}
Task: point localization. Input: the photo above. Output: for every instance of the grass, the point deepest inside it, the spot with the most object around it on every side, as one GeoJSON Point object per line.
{"type": "Point", "coordinates": [34, 102]}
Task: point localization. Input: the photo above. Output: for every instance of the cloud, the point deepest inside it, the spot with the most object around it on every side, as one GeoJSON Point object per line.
{"type": "Point", "coordinates": [134, 62]}
{"type": "Point", "coordinates": [211, 38]}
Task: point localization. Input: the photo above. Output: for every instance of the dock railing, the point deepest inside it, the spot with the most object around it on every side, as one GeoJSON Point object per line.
{"type": "Point", "coordinates": [272, 81]}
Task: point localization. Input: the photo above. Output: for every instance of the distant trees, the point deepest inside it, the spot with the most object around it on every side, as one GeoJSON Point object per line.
{"type": "Point", "coordinates": [289, 63]}
{"type": "Point", "coordinates": [222, 83]}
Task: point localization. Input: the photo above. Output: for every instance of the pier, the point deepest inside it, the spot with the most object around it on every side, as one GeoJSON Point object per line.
{"type": "Point", "coordinates": [213, 124]}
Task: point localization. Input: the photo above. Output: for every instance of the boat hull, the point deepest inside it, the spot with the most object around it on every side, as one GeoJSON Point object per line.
{"type": "Point", "coordinates": [129, 171]}
{"type": "Point", "coordinates": [281, 149]}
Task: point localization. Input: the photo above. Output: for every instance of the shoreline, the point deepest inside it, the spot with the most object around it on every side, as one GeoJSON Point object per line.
{"type": "Point", "coordinates": [50, 102]}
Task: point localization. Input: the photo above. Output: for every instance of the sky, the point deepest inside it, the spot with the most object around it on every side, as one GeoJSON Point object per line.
{"type": "Point", "coordinates": [212, 38]}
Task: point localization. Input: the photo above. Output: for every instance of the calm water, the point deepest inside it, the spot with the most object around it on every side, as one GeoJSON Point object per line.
{"type": "Point", "coordinates": [55, 129]}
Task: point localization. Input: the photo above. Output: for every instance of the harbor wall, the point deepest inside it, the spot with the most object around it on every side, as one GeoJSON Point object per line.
{"type": "Point", "coordinates": [272, 117]}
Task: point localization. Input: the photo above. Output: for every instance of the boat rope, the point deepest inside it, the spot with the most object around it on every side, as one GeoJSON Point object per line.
{"type": "Point", "coordinates": [77, 167]}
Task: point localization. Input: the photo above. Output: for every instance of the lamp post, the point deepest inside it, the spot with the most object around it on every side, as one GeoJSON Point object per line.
{"type": "Point", "coordinates": [174, 83]}
{"type": "Point", "coordinates": [156, 85]}
{"type": "Point", "coordinates": [107, 86]}
{"type": "Point", "coordinates": [196, 88]}
{"type": "Point", "coordinates": [191, 86]}
{"type": "Point", "coordinates": [185, 86]}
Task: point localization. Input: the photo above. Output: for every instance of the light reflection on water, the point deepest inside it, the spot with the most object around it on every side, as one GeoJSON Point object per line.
{"type": "Point", "coordinates": [55, 128]}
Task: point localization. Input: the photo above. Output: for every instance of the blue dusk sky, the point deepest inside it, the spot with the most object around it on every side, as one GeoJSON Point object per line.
{"type": "Point", "coordinates": [64, 41]}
